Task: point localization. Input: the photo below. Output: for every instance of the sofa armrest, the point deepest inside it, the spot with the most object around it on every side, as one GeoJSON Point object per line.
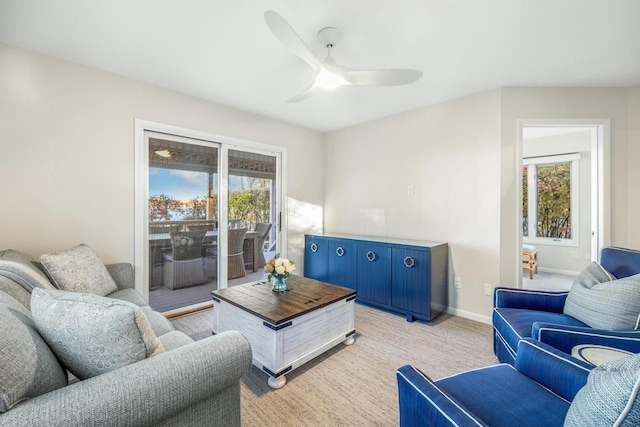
{"type": "Point", "coordinates": [421, 402]}
{"type": "Point", "coordinates": [565, 338]}
{"type": "Point", "coordinates": [530, 300]}
{"type": "Point", "coordinates": [148, 392]}
{"type": "Point", "coordinates": [122, 274]}
{"type": "Point", "coordinates": [552, 368]}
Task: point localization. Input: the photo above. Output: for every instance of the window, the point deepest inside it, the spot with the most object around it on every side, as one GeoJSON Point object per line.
{"type": "Point", "coordinates": [550, 199]}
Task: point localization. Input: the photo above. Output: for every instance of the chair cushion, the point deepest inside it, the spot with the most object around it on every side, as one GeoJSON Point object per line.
{"type": "Point", "coordinates": [610, 396]}
{"type": "Point", "coordinates": [29, 367]}
{"type": "Point", "coordinates": [186, 245]}
{"type": "Point", "coordinates": [513, 324]}
{"type": "Point", "coordinates": [518, 398]}
{"type": "Point", "coordinates": [79, 270]}
{"type": "Point", "coordinates": [91, 334]}
{"type": "Point", "coordinates": [23, 269]}
{"type": "Point", "coordinates": [601, 302]}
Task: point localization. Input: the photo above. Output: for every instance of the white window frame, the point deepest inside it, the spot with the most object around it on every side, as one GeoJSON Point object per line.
{"type": "Point", "coordinates": [532, 196]}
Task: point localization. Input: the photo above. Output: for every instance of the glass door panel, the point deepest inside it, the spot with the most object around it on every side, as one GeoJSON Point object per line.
{"type": "Point", "coordinates": [253, 213]}
{"type": "Point", "coordinates": [183, 221]}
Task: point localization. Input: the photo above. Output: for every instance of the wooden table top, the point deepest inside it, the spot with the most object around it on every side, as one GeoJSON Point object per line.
{"type": "Point", "coordinates": [303, 295]}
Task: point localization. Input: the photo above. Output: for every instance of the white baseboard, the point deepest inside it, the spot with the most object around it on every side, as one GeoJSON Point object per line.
{"type": "Point", "coordinates": [556, 271]}
{"type": "Point", "coordinates": [469, 315]}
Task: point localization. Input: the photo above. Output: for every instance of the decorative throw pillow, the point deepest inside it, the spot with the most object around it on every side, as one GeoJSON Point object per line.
{"type": "Point", "coordinates": [604, 304]}
{"type": "Point", "coordinates": [91, 334]}
{"type": "Point", "coordinates": [610, 397]}
{"type": "Point", "coordinates": [29, 367]}
{"type": "Point", "coordinates": [79, 270]}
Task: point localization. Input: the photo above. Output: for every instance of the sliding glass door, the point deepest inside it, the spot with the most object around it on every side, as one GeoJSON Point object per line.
{"type": "Point", "coordinates": [211, 215]}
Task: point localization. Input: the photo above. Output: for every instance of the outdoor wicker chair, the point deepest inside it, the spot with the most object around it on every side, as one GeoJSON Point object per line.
{"type": "Point", "coordinates": [262, 228]}
{"type": "Point", "coordinates": [184, 265]}
{"type": "Point", "coordinates": [235, 256]}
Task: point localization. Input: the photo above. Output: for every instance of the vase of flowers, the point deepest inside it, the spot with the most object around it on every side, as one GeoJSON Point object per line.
{"type": "Point", "coordinates": [279, 270]}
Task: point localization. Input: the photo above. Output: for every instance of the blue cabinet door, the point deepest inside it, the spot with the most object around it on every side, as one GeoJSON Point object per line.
{"type": "Point", "coordinates": [374, 273]}
{"type": "Point", "coordinates": [342, 262]}
{"type": "Point", "coordinates": [411, 286]}
{"type": "Point", "coordinates": [316, 259]}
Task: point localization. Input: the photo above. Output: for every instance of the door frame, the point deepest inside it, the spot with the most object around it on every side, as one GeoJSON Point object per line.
{"type": "Point", "coordinates": [141, 190]}
{"type": "Point", "coordinates": [600, 178]}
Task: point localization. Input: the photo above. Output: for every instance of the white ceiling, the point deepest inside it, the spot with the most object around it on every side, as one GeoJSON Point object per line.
{"type": "Point", "coordinates": [222, 51]}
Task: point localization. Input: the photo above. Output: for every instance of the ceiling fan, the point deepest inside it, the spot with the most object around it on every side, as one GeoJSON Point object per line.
{"type": "Point", "coordinates": [328, 73]}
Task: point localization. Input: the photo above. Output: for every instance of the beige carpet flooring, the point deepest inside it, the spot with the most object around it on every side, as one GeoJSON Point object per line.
{"type": "Point", "coordinates": [356, 385]}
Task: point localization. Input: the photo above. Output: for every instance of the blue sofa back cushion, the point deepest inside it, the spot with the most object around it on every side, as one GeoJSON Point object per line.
{"type": "Point", "coordinates": [620, 262]}
{"type": "Point", "coordinates": [610, 397]}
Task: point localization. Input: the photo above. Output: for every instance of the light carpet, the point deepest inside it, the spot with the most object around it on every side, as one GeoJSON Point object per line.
{"type": "Point", "coordinates": [356, 385]}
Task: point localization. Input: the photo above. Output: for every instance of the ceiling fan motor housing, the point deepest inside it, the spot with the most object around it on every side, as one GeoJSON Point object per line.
{"type": "Point", "coordinates": [329, 36]}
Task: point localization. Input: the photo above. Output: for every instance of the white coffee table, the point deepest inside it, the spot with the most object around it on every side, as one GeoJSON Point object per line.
{"type": "Point", "coordinates": [286, 329]}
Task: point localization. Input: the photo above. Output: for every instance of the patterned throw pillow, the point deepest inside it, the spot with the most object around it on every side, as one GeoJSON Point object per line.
{"type": "Point", "coordinates": [602, 302]}
{"type": "Point", "coordinates": [91, 334]}
{"type": "Point", "coordinates": [610, 397]}
{"type": "Point", "coordinates": [79, 270]}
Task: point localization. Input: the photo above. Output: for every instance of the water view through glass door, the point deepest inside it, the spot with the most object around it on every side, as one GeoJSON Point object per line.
{"type": "Point", "coordinates": [191, 242]}
{"type": "Point", "coordinates": [183, 222]}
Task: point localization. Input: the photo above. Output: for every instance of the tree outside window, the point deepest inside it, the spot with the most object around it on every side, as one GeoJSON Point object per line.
{"type": "Point", "coordinates": [550, 199]}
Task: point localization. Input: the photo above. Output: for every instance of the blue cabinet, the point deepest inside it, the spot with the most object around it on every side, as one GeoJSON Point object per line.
{"type": "Point", "coordinates": [316, 261]}
{"type": "Point", "coordinates": [342, 257]}
{"type": "Point", "coordinates": [374, 273]}
{"type": "Point", "coordinates": [405, 277]}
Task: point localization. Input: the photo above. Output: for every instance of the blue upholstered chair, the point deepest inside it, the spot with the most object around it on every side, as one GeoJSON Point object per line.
{"type": "Point", "coordinates": [546, 387]}
{"type": "Point", "coordinates": [520, 313]}
{"type": "Point", "coordinates": [536, 392]}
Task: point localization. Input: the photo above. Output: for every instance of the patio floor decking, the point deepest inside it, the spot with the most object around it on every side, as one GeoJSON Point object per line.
{"type": "Point", "coordinates": [164, 299]}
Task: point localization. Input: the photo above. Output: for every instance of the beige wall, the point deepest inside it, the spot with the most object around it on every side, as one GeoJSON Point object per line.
{"type": "Point", "coordinates": [520, 103]}
{"type": "Point", "coordinates": [67, 153]}
{"type": "Point", "coordinates": [450, 153]}
{"type": "Point", "coordinates": [633, 162]}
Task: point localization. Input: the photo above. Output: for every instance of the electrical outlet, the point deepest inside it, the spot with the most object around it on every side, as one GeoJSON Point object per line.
{"type": "Point", "coordinates": [457, 283]}
{"type": "Point", "coordinates": [574, 254]}
{"type": "Point", "coordinates": [488, 289]}
{"type": "Point", "coordinates": [410, 190]}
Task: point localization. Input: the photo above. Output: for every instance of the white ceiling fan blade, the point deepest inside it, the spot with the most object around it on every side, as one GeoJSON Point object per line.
{"type": "Point", "coordinates": [305, 94]}
{"type": "Point", "coordinates": [288, 37]}
{"type": "Point", "coordinates": [390, 77]}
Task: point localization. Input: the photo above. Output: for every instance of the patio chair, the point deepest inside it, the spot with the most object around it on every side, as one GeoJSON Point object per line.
{"type": "Point", "coordinates": [184, 265]}
{"type": "Point", "coordinates": [235, 257]}
{"type": "Point", "coordinates": [235, 223]}
{"type": "Point", "coordinates": [262, 228]}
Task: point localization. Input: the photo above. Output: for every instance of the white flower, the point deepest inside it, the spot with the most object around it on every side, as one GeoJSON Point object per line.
{"type": "Point", "coordinates": [290, 267]}
{"type": "Point", "coordinates": [279, 262]}
{"type": "Point", "coordinates": [280, 269]}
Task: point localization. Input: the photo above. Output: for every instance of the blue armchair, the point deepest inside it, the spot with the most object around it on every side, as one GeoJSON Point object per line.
{"type": "Point", "coordinates": [520, 313]}
{"type": "Point", "coordinates": [536, 392]}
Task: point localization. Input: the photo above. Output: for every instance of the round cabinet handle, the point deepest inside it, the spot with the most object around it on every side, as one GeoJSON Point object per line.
{"type": "Point", "coordinates": [340, 251]}
{"type": "Point", "coordinates": [371, 256]}
{"type": "Point", "coordinates": [314, 247]}
{"type": "Point", "coordinates": [409, 262]}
